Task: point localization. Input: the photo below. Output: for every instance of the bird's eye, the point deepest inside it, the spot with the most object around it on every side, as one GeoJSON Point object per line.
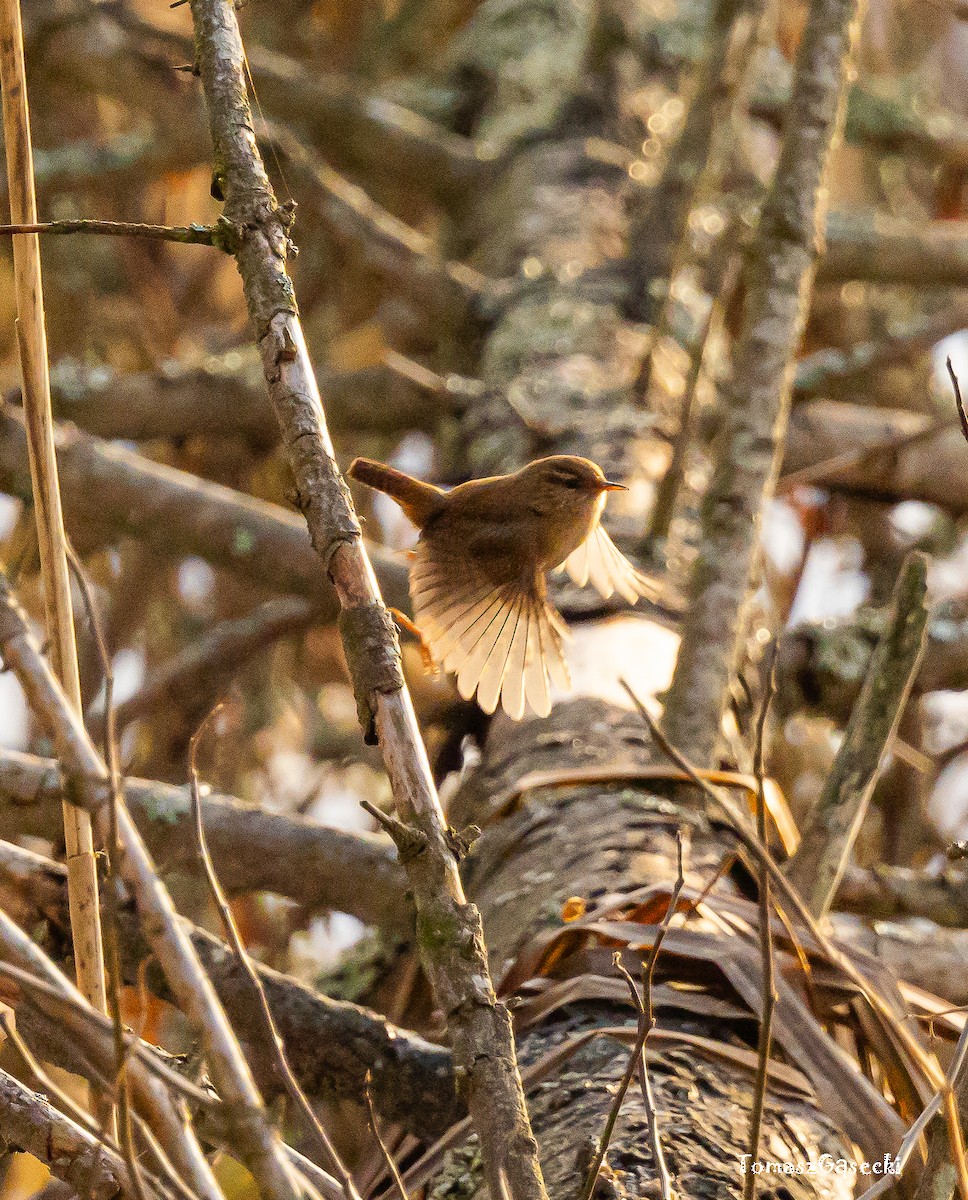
{"type": "Point", "coordinates": [568, 480]}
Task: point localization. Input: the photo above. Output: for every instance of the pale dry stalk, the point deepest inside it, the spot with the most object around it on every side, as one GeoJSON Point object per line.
{"type": "Point", "coordinates": [32, 336]}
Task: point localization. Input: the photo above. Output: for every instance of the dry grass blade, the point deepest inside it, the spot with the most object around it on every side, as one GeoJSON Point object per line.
{"type": "Point", "coordinates": [770, 997]}
{"type": "Point", "coordinates": [953, 1079]}
{"type": "Point", "coordinates": [924, 1062]}
{"type": "Point", "coordinates": [959, 402]}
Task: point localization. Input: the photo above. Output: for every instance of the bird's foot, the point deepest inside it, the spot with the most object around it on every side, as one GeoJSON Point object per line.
{"type": "Point", "coordinates": [426, 655]}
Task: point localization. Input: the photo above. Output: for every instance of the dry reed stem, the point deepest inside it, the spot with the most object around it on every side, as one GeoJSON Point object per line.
{"type": "Point", "coordinates": [759, 854]}
{"type": "Point", "coordinates": [32, 335]}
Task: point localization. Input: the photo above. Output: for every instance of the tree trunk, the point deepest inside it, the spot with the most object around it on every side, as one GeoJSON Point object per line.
{"type": "Point", "coordinates": [559, 365]}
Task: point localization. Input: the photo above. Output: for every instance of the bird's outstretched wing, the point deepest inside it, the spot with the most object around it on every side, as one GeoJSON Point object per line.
{"type": "Point", "coordinates": [599, 561]}
{"type": "Point", "coordinates": [502, 643]}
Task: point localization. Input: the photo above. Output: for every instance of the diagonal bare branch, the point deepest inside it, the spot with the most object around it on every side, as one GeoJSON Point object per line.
{"type": "Point", "coordinates": [78, 1022]}
{"type": "Point", "coordinates": [449, 929]}
{"type": "Point", "coordinates": [828, 838]}
{"type": "Point", "coordinates": [776, 282]}
{"type": "Point", "coordinates": [259, 1145]}
{"type": "Point", "coordinates": [31, 1122]}
{"type": "Point", "coordinates": [334, 1046]}
{"type": "Point", "coordinates": [113, 492]}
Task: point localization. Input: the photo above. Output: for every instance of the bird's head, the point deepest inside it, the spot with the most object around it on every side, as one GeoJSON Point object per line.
{"type": "Point", "coordinates": [566, 484]}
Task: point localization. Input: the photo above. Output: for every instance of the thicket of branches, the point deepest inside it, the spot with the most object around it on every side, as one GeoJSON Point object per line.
{"type": "Point", "coordinates": [708, 912]}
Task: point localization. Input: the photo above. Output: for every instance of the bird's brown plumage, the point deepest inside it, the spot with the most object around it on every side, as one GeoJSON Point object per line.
{"type": "Point", "coordinates": [478, 573]}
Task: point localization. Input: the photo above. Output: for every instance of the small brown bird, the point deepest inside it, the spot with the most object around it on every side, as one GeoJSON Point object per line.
{"type": "Point", "coordinates": [478, 572]}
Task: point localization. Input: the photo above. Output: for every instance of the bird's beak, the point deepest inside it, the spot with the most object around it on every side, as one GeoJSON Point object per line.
{"type": "Point", "coordinates": [608, 486]}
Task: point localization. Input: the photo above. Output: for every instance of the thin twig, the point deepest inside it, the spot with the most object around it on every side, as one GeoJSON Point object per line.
{"type": "Point", "coordinates": [768, 962]}
{"type": "Point", "coordinates": [32, 1124]}
{"type": "Point", "coordinates": [257, 1142]}
{"type": "Point", "coordinates": [388, 1158]}
{"type": "Point", "coordinates": [646, 1023]}
{"type": "Point", "coordinates": [318, 867]}
{"type": "Point", "coordinates": [74, 1110]}
{"type": "Point", "coordinates": [193, 679]}
{"type": "Point", "coordinates": [953, 1080]}
{"type": "Point", "coordinates": [647, 1017]}
{"type": "Point", "coordinates": [122, 1092]}
{"type": "Point", "coordinates": [820, 860]}
{"type": "Point", "coordinates": [312, 1126]}
{"type": "Point", "coordinates": [189, 235]}
{"type": "Point", "coordinates": [67, 1006]}
{"type": "Point", "coordinates": [155, 1149]}
{"type": "Point", "coordinates": [665, 506]}
{"type": "Point", "coordinates": [59, 1001]}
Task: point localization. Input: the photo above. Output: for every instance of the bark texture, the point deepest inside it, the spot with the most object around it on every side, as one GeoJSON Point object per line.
{"type": "Point", "coordinates": [31, 1125]}
{"type": "Point", "coordinates": [253, 850]}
